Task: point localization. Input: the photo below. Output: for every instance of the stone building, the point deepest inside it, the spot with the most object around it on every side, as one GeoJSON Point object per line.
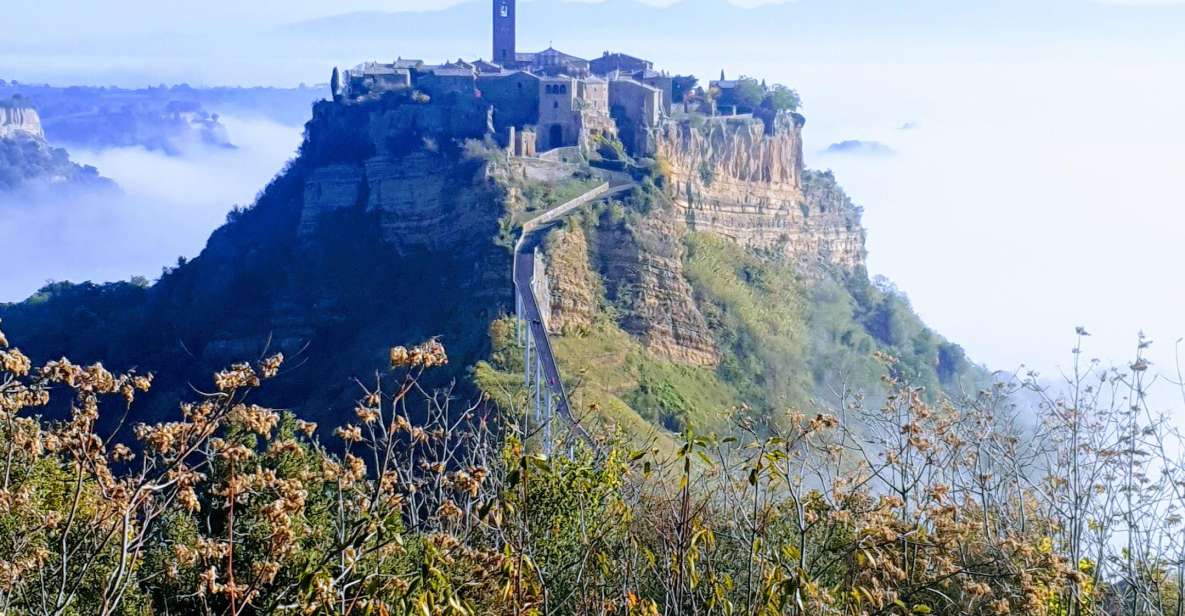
{"type": "Point", "coordinates": [444, 82]}
{"type": "Point", "coordinates": [370, 78]}
{"type": "Point", "coordinates": [659, 81]}
{"type": "Point", "coordinates": [504, 33]}
{"type": "Point", "coordinates": [619, 62]}
{"type": "Point", "coordinates": [514, 96]}
{"type": "Point", "coordinates": [552, 61]}
{"type": "Point", "coordinates": [636, 109]}
{"type": "Point", "coordinates": [556, 98]}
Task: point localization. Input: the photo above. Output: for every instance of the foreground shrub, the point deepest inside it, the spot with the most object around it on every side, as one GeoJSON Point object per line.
{"type": "Point", "coordinates": [413, 506]}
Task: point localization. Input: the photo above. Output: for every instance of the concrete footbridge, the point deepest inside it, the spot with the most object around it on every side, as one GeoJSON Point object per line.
{"type": "Point", "coordinates": [548, 401]}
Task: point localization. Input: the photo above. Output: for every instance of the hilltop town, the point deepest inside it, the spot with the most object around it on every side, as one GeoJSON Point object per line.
{"type": "Point", "coordinates": [542, 101]}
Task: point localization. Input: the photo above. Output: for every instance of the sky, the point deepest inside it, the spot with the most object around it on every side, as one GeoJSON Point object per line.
{"type": "Point", "coordinates": [1037, 144]}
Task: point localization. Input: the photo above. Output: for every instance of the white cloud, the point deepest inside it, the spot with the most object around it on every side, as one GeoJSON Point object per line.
{"type": "Point", "coordinates": [167, 208]}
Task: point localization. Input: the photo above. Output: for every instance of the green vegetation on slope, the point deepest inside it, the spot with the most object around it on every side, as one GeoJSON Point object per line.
{"type": "Point", "coordinates": [26, 159]}
{"type": "Point", "coordinates": [755, 309]}
{"type": "Point", "coordinates": [790, 338]}
{"type": "Point", "coordinates": [786, 341]}
{"type": "Point", "coordinates": [613, 382]}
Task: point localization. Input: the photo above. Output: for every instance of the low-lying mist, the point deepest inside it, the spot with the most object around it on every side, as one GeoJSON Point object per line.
{"type": "Point", "coordinates": [165, 208]}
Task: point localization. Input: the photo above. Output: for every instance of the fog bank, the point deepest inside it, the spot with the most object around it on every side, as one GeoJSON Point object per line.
{"type": "Point", "coordinates": [166, 208]}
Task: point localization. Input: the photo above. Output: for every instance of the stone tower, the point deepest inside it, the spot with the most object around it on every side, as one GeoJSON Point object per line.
{"type": "Point", "coordinates": [504, 33]}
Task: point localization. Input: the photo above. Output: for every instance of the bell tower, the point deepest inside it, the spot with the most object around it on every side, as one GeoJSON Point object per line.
{"type": "Point", "coordinates": [504, 34]}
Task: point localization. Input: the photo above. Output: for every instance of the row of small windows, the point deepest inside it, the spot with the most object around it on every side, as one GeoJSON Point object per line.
{"type": "Point", "coordinates": [556, 89]}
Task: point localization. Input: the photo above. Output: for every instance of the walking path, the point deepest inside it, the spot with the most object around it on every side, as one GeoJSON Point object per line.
{"type": "Point", "coordinates": [546, 377]}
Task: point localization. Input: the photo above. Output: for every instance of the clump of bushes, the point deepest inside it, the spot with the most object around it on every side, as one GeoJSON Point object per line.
{"type": "Point", "coordinates": [414, 506]}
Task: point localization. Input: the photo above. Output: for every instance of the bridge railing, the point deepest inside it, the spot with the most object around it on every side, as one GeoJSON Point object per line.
{"type": "Point", "coordinates": [541, 374]}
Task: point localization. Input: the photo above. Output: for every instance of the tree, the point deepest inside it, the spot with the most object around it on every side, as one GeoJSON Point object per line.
{"type": "Point", "coordinates": [748, 93]}
{"type": "Point", "coordinates": [782, 98]}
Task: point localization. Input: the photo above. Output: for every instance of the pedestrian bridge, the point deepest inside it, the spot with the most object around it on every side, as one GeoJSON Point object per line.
{"type": "Point", "coordinates": [548, 401]}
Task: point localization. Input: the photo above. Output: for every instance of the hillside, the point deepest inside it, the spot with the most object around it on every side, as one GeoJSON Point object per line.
{"type": "Point", "coordinates": [27, 159]}
{"type": "Point", "coordinates": [731, 278]}
{"type": "Point", "coordinates": [163, 119]}
{"type": "Point", "coordinates": [731, 284]}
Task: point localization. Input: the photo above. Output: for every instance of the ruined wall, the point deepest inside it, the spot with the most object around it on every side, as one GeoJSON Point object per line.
{"type": "Point", "coordinates": [635, 107]}
{"type": "Point", "coordinates": [446, 87]}
{"type": "Point", "coordinates": [743, 178]}
{"type": "Point", "coordinates": [666, 83]}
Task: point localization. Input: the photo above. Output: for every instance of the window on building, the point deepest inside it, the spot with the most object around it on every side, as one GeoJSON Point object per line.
{"type": "Point", "coordinates": [505, 10]}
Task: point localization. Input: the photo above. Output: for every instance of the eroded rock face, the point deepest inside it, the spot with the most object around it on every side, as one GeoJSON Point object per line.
{"type": "Point", "coordinates": [329, 189]}
{"type": "Point", "coordinates": [412, 177]}
{"type": "Point", "coordinates": [737, 148]}
{"type": "Point", "coordinates": [20, 121]}
{"type": "Point", "coordinates": [574, 286]}
{"type": "Point", "coordinates": [734, 177]}
{"type": "Point", "coordinates": [643, 272]}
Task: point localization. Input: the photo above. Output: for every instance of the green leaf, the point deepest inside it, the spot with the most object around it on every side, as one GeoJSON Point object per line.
{"type": "Point", "coordinates": [921, 609]}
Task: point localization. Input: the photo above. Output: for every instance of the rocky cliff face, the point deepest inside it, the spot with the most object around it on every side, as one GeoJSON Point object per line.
{"type": "Point", "coordinates": [410, 177]}
{"type": "Point", "coordinates": [643, 270]}
{"type": "Point", "coordinates": [574, 287]}
{"type": "Point", "coordinates": [27, 160]}
{"type": "Point", "coordinates": [739, 177]}
{"type": "Point", "coordinates": [638, 269]}
{"type": "Point", "coordinates": [20, 120]}
{"type": "Point", "coordinates": [383, 231]}
{"type": "Point", "coordinates": [743, 178]}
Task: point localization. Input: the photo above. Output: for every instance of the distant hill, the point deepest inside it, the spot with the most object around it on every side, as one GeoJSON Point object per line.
{"type": "Point", "coordinates": [26, 158]}
{"type": "Point", "coordinates": [164, 119]}
{"type": "Point", "coordinates": [860, 148]}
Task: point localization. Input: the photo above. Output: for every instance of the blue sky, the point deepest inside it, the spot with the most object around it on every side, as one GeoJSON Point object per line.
{"type": "Point", "coordinates": [1037, 190]}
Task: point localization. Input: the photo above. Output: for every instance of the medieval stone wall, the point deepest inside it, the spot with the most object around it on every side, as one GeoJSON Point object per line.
{"type": "Point", "coordinates": [636, 108]}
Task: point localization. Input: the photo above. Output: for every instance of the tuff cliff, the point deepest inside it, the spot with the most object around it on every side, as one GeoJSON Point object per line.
{"type": "Point", "coordinates": [636, 268]}
{"type": "Point", "coordinates": [26, 158]}
{"type": "Point", "coordinates": [18, 119]}
{"type": "Point", "coordinates": [407, 171]}
{"type": "Point", "coordinates": [396, 223]}
{"type": "Point", "coordinates": [737, 177]}
{"type": "Point", "coordinates": [743, 178]}
{"type": "Point", "coordinates": [384, 230]}
{"type": "Point", "coordinates": [731, 280]}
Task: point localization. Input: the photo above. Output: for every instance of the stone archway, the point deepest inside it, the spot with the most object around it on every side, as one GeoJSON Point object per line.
{"type": "Point", "coordinates": [555, 136]}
